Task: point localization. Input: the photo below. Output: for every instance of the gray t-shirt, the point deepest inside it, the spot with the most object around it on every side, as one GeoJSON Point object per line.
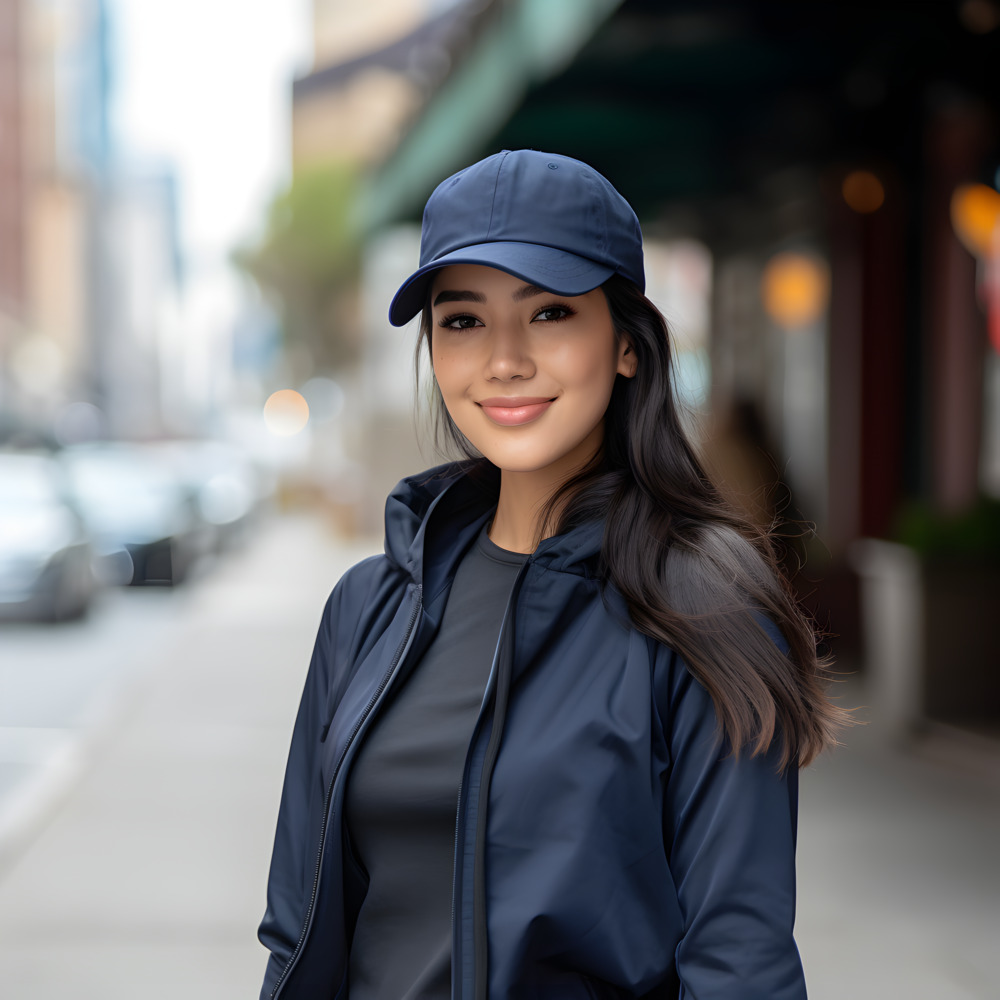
{"type": "Point", "coordinates": [402, 792]}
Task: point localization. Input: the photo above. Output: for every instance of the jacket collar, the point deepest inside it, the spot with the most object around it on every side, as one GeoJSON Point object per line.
{"type": "Point", "coordinates": [431, 518]}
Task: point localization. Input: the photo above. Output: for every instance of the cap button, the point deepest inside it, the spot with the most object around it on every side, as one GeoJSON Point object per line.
{"type": "Point", "coordinates": [553, 166]}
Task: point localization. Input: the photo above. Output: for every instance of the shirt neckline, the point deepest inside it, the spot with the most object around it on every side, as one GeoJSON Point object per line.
{"type": "Point", "coordinates": [491, 550]}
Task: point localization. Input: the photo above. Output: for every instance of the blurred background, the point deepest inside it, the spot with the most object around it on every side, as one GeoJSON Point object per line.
{"type": "Point", "coordinates": [205, 208]}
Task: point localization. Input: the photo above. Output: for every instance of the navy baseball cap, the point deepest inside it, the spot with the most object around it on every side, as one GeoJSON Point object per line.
{"type": "Point", "coordinates": [548, 219]}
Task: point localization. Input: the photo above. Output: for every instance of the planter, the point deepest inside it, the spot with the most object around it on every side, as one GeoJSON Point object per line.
{"type": "Point", "coordinates": [930, 646]}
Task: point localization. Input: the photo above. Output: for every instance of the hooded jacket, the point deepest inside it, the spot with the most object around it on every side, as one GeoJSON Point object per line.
{"type": "Point", "coordinates": [608, 843]}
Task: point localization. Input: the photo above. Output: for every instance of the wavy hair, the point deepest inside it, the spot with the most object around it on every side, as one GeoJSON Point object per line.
{"type": "Point", "coordinates": [695, 573]}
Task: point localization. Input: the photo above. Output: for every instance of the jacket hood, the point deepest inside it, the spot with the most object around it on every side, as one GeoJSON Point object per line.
{"type": "Point", "coordinates": [449, 504]}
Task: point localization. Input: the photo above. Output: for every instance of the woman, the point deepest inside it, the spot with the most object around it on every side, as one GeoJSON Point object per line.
{"type": "Point", "coordinates": [548, 742]}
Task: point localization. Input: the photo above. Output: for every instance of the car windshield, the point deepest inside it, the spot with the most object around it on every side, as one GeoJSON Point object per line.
{"type": "Point", "coordinates": [25, 480]}
{"type": "Point", "coordinates": [117, 478]}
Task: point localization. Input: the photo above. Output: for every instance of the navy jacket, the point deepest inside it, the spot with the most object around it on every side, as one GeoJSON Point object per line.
{"type": "Point", "coordinates": [607, 844]}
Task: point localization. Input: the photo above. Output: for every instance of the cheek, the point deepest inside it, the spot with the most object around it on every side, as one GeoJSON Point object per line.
{"type": "Point", "coordinates": [592, 369]}
{"type": "Point", "coordinates": [451, 371]}
{"type": "Point", "coordinates": [441, 364]}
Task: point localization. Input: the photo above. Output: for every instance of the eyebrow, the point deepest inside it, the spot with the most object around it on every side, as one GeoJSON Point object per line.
{"type": "Point", "coordinates": [454, 296]}
{"type": "Point", "coordinates": [448, 295]}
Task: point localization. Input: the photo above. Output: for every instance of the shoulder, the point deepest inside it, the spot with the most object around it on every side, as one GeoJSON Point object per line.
{"type": "Point", "coordinates": [725, 591]}
{"type": "Point", "coordinates": [363, 577]}
{"type": "Point", "coordinates": [728, 607]}
{"type": "Point", "coordinates": [712, 560]}
{"type": "Point", "coordinates": [359, 594]}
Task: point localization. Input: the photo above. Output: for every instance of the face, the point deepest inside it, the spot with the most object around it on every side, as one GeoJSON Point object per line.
{"type": "Point", "coordinates": [525, 374]}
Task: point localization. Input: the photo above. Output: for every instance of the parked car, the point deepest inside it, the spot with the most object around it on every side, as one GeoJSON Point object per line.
{"type": "Point", "coordinates": [223, 481]}
{"type": "Point", "coordinates": [46, 560]}
{"type": "Point", "coordinates": [143, 519]}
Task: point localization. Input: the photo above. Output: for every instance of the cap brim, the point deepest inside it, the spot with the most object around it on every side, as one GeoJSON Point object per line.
{"type": "Point", "coordinates": [552, 269]}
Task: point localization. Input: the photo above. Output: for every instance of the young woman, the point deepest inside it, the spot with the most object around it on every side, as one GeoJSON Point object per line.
{"type": "Point", "coordinates": [548, 743]}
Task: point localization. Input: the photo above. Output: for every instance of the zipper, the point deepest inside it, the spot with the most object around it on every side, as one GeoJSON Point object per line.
{"type": "Point", "coordinates": [480, 945]}
{"type": "Point", "coordinates": [461, 784]}
{"type": "Point", "coordinates": [454, 883]}
{"type": "Point", "coordinates": [497, 689]}
{"type": "Point", "coordinates": [383, 683]}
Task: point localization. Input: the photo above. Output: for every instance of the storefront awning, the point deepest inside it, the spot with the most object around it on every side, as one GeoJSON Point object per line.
{"type": "Point", "coordinates": [516, 45]}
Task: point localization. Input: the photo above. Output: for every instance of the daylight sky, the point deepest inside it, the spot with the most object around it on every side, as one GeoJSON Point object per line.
{"type": "Point", "coordinates": [205, 85]}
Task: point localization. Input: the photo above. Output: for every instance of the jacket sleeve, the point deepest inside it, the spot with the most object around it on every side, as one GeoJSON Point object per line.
{"type": "Point", "coordinates": [289, 879]}
{"type": "Point", "coordinates": [730, 827]}
{"type": "Point", "coordinates": [296, 839]}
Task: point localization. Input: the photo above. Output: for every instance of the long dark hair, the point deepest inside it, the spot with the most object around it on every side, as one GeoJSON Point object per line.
{"type": "Point", "coordinates": [695, 573]}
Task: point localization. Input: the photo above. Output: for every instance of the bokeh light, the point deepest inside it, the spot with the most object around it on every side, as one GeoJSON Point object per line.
{"type": "Point", "coordinates": [795, 289]}
{"type": "Point", "coordinates": [286, 412]}
{"type": "Point", "coordinates": [975, 217]}
{"type": "Point", "coordinates": [979, 16]}
{"type": "Point", "coordinates": [863, 191]}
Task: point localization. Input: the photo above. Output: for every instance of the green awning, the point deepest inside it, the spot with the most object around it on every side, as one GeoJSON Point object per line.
{"type": "Point", "coordinates": [520, 44]}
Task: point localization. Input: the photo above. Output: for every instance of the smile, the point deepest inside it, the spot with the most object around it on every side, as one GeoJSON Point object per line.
{"type": "Point", "coordinates": [513, 410]}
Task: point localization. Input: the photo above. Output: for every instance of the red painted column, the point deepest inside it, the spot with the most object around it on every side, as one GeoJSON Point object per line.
{"type": "Point", "coordinates": [955, 326]}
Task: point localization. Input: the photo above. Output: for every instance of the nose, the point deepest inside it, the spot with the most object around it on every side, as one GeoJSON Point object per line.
{"type": "Point", "coordinates": [509, 355]}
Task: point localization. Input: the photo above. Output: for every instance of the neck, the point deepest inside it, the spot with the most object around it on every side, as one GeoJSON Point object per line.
{"type": "Point", "coordinates": [518, 523]}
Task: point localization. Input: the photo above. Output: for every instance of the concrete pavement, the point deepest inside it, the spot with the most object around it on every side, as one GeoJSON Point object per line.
{"type": "Point", "coordinates": [899, 884]}
{"type": "Point", "coordinates": [146, 879]}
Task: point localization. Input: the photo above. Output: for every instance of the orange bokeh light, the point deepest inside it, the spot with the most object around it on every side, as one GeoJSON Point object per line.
{"type": "Point", "coordinates": [286, 412]}
{"type": "Point", "coordinates": [863, 191]}
{"type": "Point", "coordinates": [795, 289]}
{"type": "Point", "coordinates": [975, 217]}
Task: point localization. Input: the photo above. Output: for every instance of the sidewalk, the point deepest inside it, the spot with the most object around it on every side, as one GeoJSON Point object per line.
{"type": "Point", "coordinates": [899, 884]}
{"type": "Point", "coordinates": [147, 881]}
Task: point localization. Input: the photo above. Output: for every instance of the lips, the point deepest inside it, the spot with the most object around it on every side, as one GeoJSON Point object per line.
{"type": "Point", "coordinates": [513, 410]}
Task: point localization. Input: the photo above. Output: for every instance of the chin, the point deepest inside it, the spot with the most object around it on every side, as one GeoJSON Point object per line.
{"type": "Point", "coordinates": [533, 460]}
{"type": "Point", "coordinates": [520, 465]}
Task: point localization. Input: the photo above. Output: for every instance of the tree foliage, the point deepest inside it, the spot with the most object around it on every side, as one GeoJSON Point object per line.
{"type": "Point", "coordinates": [306, 263]}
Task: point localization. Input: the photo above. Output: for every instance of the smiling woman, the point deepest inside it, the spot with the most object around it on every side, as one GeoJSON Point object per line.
{"type": "Point", "coordinates": [548, 745]}
{"type": "Point", "coordinates": [510, 335]}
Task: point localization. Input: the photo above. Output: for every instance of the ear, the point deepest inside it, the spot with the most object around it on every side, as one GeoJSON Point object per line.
{"type": "Point", "coordinates": [627, 361]}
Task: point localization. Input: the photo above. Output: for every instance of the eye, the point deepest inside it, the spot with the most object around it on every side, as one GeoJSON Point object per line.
{"type": "Point", "coordinates": [461, 321]}
{"type": "Point", "coordinates": [553, 313]}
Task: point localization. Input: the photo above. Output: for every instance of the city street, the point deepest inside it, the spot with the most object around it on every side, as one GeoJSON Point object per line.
{"type": "Point", "coordinates": [764, 236]}
{"type": "Point", "coordinates": [62, 684]}
{"type": "Point", "coordinates": [141, 756]}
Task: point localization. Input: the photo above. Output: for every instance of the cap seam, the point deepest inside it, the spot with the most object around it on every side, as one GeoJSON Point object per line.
{"type": "Point", "coordinates": [493, 200]}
